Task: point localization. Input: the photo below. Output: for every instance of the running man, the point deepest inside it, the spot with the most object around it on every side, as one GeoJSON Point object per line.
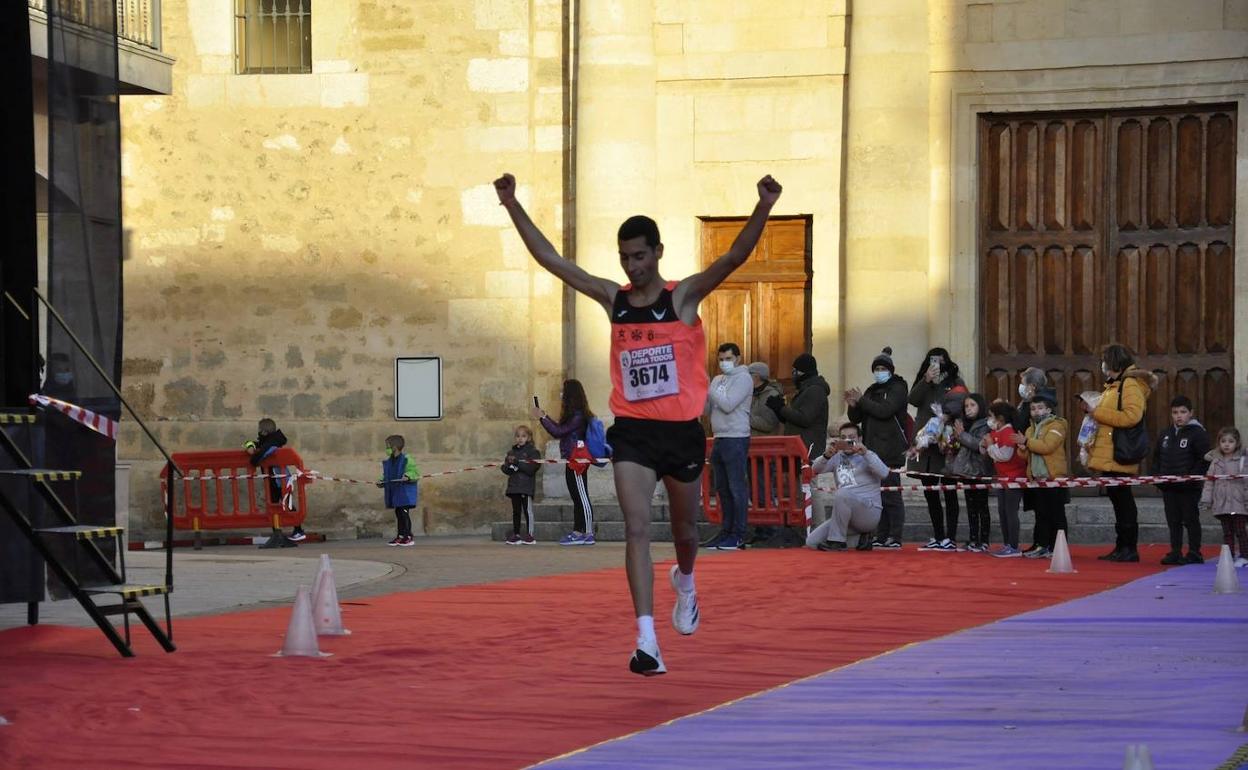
{"type": "Point", "coordinates": [659, 388]}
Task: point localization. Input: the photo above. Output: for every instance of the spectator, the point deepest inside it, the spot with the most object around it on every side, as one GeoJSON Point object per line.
{"type": "Point", "coordinates": [728, 401]}
{"type": "Point", "coordinates": [1030, 380]}
{"type": "Point", "coordinates": [1227, 499]}
{"type": "Point", "coordinates": [521, 466]}
{"type": "Point", "coordinates": [972, 464]}
{"type": "Point", "coordinates": [268, 440]}
{"type": "Point", "coordinates": [763, 421]}
{"type": "Point", "coordinates": [936, 381]}
{"type": "Point", "coordinates": [1009, 465]}
{"type": "Point", "coordinates": [1121, 408]}
{"type": "Point", "coordinates": [1044, 448]}
{"type": "Point", "coordinates": [1181, 450]}
{"type": "Point", "coordinates": [60, 383]}
{"type": "Point", "coordinates": [807, 415]}
{"type": "Point", "coordinates": [574, 417]}
{"type": "Point", "coordinates": [881, 411]}
{"type": "Point", "coordinates": [855, 508]}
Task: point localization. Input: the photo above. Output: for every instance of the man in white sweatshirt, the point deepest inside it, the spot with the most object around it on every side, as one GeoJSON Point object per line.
{"type": "Point", "coordinates": [728, 402]}
{"type": "Point", "coordinates": [855, 508]}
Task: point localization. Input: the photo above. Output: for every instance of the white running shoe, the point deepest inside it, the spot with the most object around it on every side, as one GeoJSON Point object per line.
{"type": "Point", "coordinates": [932, 545]}
{"type": "Point", "coordinates": [685, 613]}
{"type": "Point", "coordinates": [647, 660]}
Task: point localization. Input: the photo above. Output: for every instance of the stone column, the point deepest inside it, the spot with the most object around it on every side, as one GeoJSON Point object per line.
{"type": "Point", "coordinates": [615, 157]}
{"type": "Point", "coordinates": [887, 286]}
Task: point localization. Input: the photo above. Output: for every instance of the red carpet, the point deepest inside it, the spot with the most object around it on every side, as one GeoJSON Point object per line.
{"type": "Point", "coordinates": [494, 676]}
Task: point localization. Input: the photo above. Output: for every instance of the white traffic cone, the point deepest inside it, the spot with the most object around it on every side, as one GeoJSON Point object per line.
{"type": "Point", "coordinates": [326, 613]}
{"type": "Point", "coordinates": [1060, 564]}
{"type": "Point", "coordinates": [321, 568]}
{"type": "Point", "coordinates": [1138, 758]}
{"type": "Point", "coordinates": [1227, 582]}
{"type": "Point", "coordinates": [301, 633]}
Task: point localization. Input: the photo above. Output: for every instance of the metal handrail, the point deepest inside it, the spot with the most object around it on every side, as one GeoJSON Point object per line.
{"type": "Point", "coordinates": [53, 312]}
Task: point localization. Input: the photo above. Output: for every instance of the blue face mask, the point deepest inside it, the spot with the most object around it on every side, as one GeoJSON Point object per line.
{"type": "Point", "coordinates": [63, 378]}
{"type": "Point", "coordinates": [882, 376]}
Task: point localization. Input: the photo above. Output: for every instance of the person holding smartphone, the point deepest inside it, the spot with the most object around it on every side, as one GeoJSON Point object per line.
{"type": "Point", "coordinates": [855, 505]}
{"type": "Point", "coordinates": [937, 383]}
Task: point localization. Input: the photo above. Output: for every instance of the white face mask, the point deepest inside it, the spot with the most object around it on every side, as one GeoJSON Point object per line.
{"type": "Point", "coordinates": [882, 376]}
{"type": "Point", "coordinates": [1023, 391]}
{"type": "Point", "coordinates": [1105, 369]}
{"type": "Point", "coordinates": [726, 366]}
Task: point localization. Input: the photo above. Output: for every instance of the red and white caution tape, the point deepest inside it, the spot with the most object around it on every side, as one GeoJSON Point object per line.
{"type": "Point", "coordinates": [1071, 482]}
{"type": "Point", "coordinates": [96, 422]}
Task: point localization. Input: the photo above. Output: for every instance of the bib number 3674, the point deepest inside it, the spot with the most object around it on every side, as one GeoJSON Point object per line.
{"type": "Point", "coordinates": [649, 373]}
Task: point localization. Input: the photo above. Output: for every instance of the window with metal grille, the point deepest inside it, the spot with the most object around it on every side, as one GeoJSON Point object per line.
{"type": "Point", "coordinates": [272, 36]}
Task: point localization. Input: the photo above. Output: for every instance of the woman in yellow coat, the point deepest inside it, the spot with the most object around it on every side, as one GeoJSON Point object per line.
{"type": "Point", "coordinates": [1135, 385]}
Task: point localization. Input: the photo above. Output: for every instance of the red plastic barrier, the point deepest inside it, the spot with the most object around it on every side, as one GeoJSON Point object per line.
{"type": "Point", "coordinates": [776, 474]}
{"type": "Point", "coordinates": [240, 500]}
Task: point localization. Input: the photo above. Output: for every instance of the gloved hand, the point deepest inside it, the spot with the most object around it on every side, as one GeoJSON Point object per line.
{"type": "Point", "coordinates": [775, 404]}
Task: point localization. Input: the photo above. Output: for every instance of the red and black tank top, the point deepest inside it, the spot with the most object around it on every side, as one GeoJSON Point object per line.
{"type": "Point", "coordinates": [658, 362]}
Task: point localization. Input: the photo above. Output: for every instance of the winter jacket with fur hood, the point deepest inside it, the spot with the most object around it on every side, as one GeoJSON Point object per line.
{"type": "Point", "coordinates": [1226, 495]}
{"type": "Point", "coordinates": [1137, 385]}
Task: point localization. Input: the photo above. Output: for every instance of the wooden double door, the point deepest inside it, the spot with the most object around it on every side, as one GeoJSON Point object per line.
{"type": "Point", "coordinates": [764, 306]}
{"type": "Point", "coordinates": [1098, 227]}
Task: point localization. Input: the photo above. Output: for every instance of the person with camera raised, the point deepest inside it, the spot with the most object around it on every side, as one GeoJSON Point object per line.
{"type": "Point", "coordinates": [855, 508]}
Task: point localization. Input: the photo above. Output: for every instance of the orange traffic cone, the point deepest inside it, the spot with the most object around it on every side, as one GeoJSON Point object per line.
{"type": "Point", "coordinates": [301, 633]}
{"type": "Point", "coordinates": [1061, 556]}
{"type": "Point", "coordinates": [326, 612]}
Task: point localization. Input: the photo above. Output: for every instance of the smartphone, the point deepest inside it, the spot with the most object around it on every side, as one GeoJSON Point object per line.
{"type": "Point", "coordinates": [535, 404]}
{"type": "Point", "coordinates": [934, 363]}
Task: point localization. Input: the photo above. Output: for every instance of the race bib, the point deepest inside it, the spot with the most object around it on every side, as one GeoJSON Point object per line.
{"type": "Point", "coordinates": [649, 373]}
{"type": "Point", "coordinates": [845, 476]}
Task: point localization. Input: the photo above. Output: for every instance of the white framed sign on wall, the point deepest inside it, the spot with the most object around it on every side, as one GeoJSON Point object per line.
{"type": "Point", "coordinates": [418, 388]}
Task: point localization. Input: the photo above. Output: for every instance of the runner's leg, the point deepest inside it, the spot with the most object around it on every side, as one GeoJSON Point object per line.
{"type": "Point", "coordinates": [634, 487]}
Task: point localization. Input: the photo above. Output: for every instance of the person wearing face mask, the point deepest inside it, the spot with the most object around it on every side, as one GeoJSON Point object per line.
{"type": "Point", "coordinates": [728, 403]}
{"type": "Point", "coordinates": [1044, 449]}
{"type": "Point", "coordinates": [1030, 380]}
{"type": "Point", "coordinates": [1121, 408]}
{"type": "Point", "coordinates": [60, 383]}
{"type": "Point", "coordinates": [881, 411]}
{"type": "Point", "coordinates": [807, 414]}
{"type": "Point", "coordinates": [937, 383]}
{"type": "Point", "coordinates": [400, 479]}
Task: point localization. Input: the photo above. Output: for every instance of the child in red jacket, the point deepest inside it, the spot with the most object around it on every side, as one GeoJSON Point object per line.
{"type": "Point", "coordinates": [1009, 466]}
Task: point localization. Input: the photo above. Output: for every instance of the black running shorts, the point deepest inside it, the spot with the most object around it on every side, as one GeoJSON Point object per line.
{"type": "Point", "coordinates": [675, 449]}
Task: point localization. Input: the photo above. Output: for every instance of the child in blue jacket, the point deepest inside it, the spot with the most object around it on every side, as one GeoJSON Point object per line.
{"type": "Point", "coordinates": [399, 480]}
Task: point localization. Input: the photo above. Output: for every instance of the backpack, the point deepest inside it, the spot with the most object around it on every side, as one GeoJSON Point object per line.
{"type": "Point", "coordinates": [596, 442]}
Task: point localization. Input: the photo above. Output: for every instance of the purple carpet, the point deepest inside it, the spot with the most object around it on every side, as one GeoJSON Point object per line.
{"type": "Point", "coordinates": [1162, 661]}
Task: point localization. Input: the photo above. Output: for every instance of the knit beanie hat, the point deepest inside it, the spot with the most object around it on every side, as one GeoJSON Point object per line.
{"type": "Point", "coordinates": [885, 359]}
{"type": "Point", "coordinates": [761, 369]}
{"type": "Point", "coordinates": [805, 363]}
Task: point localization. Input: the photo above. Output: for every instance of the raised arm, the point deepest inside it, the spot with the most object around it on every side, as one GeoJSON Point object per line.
{"type": "Point", "coordinates": [694, 289]}
{"type": "Point", "coordinates": [598, 289]}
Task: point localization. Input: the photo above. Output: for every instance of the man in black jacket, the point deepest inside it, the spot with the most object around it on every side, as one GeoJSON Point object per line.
{"type": "Point", "coordinates": [1181, 451]}
{"type": "Point", "coordinates": [807, 414]}
{"type": "Point", "coordinates": [881, 412]}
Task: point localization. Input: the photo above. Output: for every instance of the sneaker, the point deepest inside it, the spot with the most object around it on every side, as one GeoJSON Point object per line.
{"type": "Point", "coordinates": [728, 543]}
{"type": "Point", "coordinates": [890, 545]}
{"type": "Point", "coordinates": [879, 542]}
{"type": "Point", "coordinates": [396, 541]}
{"type": "Point", "coordinates": [587, 539]}
{"type": "Point", "coordinates": [298, 535]}
{"type": "Point", "coordinates": [946, 545]}
{"type": "Point", "coordinates": [1240, 561]}
{"type": "Point", "coordinates": [1007, 552]}
{"type": "Point", "coordinates": [712, 541]}
{"type": "Point", "coordinates": [1039, 553]}
{"type": "Point", "coordinates": [932, 545]}
{"type": "Point", "coordinates": [832, 545]}
{"type": "Point", "coordinates": [1194, 557]}
{"type": "Point", "coordinates": [685, 613]}
{"type": "Point", "coordinates": [975, 548]}
{"type": "Point", "coordinates": [572, 538]}
{"type": "Point", "coordinates": [407, 542]}
{"type": "Point", "coordinates": [865, 543]}
{"type": "Point", "coordinates": [1172, 558]}
{"type": "Point", "coordinates": [528, 540]}
{"type": "Point", "coordinates": [647, 660]}
{"type": "Point", "coordinates": [512, 539]}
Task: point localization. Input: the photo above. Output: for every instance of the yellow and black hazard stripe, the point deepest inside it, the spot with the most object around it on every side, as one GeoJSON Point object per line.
{"type": "Point", "coordinates": [42, 475]}
{"type": "Point", "coordinates": [98, 533]}
{"type": "Point", "coordinates": [129, 591]}
{"type": "Point", "coordinates": [18, 419]}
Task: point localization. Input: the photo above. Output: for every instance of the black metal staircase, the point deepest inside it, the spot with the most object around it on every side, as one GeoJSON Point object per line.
{"type": "Point", "coordinates": [62, 533]}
